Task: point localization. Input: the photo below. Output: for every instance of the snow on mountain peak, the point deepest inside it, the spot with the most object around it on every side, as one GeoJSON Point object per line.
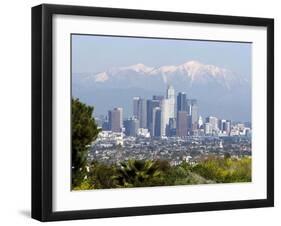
{"type": "Point", "coordinates": [192, 63]}
{"type": "Point", "coordinates": [101, 77]}
{"type": "Point", "coordinates": [166, 69]}
{"type": "Point", "coordinates": [138, 68]}
{"type": "Point", "coordinates": [192, 71]}
{"type": "Point", "coordinates": [196, 70]}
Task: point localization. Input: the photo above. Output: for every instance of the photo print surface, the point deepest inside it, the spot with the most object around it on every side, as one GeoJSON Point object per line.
{"type": "Point", "coordinates": [159, 112]}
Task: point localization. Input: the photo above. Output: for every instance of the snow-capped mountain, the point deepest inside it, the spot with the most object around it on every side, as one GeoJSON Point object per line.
{"type": "Point", "coordinates": [189, 74]}
{"type": "Point", "coordinates": [215, 87]}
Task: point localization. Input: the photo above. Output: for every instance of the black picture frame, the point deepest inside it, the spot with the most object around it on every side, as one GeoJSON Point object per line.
{"type": "Point", "coordinates": [42, 111]}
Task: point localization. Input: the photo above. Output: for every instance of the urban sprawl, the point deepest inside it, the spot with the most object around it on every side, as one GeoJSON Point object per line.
{"type": "Point", "coordinates": [170, 128]}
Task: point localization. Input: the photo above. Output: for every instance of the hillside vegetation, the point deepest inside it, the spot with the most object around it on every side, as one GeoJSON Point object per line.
{"type": "Point", "coordinates": [146, 173]}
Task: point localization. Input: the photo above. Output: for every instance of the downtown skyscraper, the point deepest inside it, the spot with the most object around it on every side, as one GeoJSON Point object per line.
{"type": "Point", "coordinates": [182, 124]}
{"type": "Point", "coordinates": [131, 126]}
{"type": "Point", "coordinates": [156, 122]}
{"type": "Point", "coordinates": [140, 111]}
{"type": "Point", "coordinates": [115, 118]}
{"type": "Point", "coordinates": [165, 113]}
{"type": "Point", "coordinates": [170, 96]}
{"type": "Point", "coordinates": [181, 102]}
{"type": "Point", "coordinates": [151, 104]}
{"type": "Point", "coordinates": [193, 112]}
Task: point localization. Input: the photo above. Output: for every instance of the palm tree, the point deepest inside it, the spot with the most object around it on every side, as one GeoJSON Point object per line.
{"type": "Point", "coordinates": [136, 173]}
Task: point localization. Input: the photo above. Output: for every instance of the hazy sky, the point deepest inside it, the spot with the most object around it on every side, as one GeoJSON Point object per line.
{"type": "Point", "coordinates": [98, 53]}
{"type": "Point", "coordinates": [94, 54]}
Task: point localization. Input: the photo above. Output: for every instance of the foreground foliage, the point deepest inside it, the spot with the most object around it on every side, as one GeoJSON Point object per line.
{"type": "Point", "coordinates": [84, 131]}
{"type": "Point", "coordinates": [144, 173]}
{"type": "Point", "coordinates": [225, 170]}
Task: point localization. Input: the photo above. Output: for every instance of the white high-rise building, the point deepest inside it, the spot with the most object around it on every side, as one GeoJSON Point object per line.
{"type": "Point", "coordinates": [208, 128]}
{"type": "Point", "coordinates": [165, 113]}
{"type": "Point", "coordinates": [170, 96]}
{"type": "Point", "coordinates": [200, 121]}
{"type": "Point", "coordinates": [214, 123]}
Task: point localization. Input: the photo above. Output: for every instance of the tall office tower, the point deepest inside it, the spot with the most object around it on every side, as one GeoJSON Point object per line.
{"type": "Point", "coordinates": [171, 129]}
{"type": "Point", "coordinates": [207, 128]}
{"type": "Point", "coordinates": [228, 127]}
{"type": "Point", "coordinates": [182, 123]}
{"type": "Point", "coordinates": [193, 111]}
{"type": "Point", "coordinates": [213, 121]}
{"type": "Point", "coordinates": [131, 126]}
{"type": "Point", "coordinates": [142, 113]}
{"type": "Point", "coordinates": [222, 125]}
{"type": "Point", "coordinates": [170, 95]}
{"type": "Point", "coordinates": [164, 105]}
{"type": "Point", "coordinates": [136, 106]}
{"type": "Point", "coordinates": [156, 122]}
{"type": "Point", "coordinates": [115, 119]}
{"type": "Point", "coordinates": [181, 102]}
{"type": "Point", "coordinates": [194, 117]}
{"type": "Point", "coordinates": [139, 111]}
{"type": "Point", "coordinates": [149, 107]}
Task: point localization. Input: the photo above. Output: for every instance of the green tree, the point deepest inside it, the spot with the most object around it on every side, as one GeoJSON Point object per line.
{"type": "Point", "coordinates": [137, 173]}
{"type": "Point", "coordinates": [101, 175]}
{"type": "Point", "coordinates": [84, 131]}
{"type": "Point", "coordinates": [182, 175]}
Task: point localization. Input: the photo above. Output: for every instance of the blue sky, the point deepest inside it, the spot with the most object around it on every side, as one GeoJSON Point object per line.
{"type": "Point", "coordinates": [93, 54]}
{"type": "Point", "coordinates": [98, 53]}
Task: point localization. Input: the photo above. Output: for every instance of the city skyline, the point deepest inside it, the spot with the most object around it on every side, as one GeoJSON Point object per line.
{"type": "Point", "coordinates": [167, 116]}
{"type": "Point", "coordinates": [128, 111]}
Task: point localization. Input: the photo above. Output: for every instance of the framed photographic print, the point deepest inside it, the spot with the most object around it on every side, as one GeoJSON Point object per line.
{"type": "Point", "coordinates": [145, 112]}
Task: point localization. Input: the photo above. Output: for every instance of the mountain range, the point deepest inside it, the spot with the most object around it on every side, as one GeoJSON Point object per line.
{"type": "Point", "coordinates": [219, 91]}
